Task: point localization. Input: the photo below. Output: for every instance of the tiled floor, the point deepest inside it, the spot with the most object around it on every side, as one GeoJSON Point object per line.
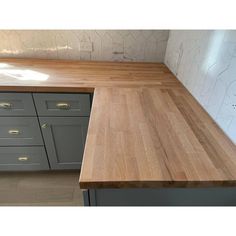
{"type": "Point", "coordinates": [40, 189]}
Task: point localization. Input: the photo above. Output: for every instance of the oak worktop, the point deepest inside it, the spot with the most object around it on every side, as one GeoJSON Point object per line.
{"type": "Point", "coordinates": [145, 129]}
{"type": "Point", "coordinates": [33, 75]}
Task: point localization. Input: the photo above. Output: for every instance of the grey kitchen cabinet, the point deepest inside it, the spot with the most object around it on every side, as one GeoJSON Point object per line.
{"type": "Point", "coordinates": [64, 139]}
{"type": "Point", "coordinates": [23, 158]}
{"type": "Point", "coordinates": [59, 104]}
{"type": "Point", "coordinates": [181, 196]}
{"type": "Point", "coordinates": [57, 144]}
{"type": "Point", "coordinates": [17, 131]}
{"type": "Point", "coordinates": [17, 104]}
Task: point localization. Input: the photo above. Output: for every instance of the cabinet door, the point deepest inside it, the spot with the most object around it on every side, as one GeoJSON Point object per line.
{"type": "Point", "coordinates": [64, 139]}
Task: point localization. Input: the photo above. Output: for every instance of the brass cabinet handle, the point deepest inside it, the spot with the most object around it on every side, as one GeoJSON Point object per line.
{"type": "Point", "coordinates": [23, 158]}
{"type": "Point", "coordinates": [14, 131]}
{"type": "Point", "coordinates": [5, 105]}
{"type": "Point", "coordinates": [63, 105]}
{"type": "Point", "coordinates": [44, 126]}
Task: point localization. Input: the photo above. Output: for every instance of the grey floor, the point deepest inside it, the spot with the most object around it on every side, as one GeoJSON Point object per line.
{"type": "Point", "coordinates": [40, 189]}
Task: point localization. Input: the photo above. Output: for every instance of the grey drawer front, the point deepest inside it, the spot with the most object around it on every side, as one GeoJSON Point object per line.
{"type": "Point", "coordinates": [23, 158]}
{"type": "Point", "coordinates": [62, 104]}
{"type": "Point", "coordinates": [16, 104]}
{"type": "Point", "coordinates": [64, 139]}
{"type": "Point", "coordinates": [15, 131]}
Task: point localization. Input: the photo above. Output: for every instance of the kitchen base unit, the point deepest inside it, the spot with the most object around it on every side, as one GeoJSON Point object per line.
{"type": "Point", "coordinates": [43, 131]}
{"type": "Point", "coordinates": [214, 196]}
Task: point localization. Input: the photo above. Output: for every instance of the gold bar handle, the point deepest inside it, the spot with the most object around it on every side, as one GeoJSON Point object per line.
{"type": "Point", "coordinates": [63, 105]}
{"type": "Point", "coordinates": [5, 105]}
{"type": "Point", "coordinates": [23, 158]}
{"type": "Point", "coordinates": [14, 131]}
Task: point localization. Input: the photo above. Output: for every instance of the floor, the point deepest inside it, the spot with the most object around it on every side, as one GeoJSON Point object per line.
{"type": "Point", "coordinates": [40, 189]}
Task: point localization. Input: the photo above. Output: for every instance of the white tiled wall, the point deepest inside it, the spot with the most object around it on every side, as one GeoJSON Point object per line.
{"type": "Point", "coordinates": [108, 45]}
{"type": "Point", "coordinates": [205, 62]}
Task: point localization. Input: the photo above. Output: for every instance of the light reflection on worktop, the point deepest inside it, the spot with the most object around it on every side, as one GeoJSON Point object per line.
{"type": "Point", "coordinates": [22, 74]}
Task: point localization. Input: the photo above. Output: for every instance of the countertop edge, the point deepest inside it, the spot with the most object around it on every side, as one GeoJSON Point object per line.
{"type": "Point", "coordinates": [156, 184]}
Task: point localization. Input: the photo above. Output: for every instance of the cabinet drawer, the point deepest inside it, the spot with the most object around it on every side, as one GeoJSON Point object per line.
{"type": "Point", "coordinates": [16, 104]}
{"type": "Point", "coordinates": [23, 158]}
{"type": "Point", "coordinates": [62, 104]}
{"type": "Point", "coordinates": [15, 131]}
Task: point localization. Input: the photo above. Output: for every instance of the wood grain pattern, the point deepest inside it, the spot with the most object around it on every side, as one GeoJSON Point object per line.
{"type": "Point", "coordinates": [154, 137]}
{"type": "Point", "coordinates": [78, 76]}
{"type": "Point", "coordinates": [145, 129]}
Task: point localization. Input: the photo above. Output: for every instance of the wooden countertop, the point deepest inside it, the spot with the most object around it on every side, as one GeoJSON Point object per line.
{"type": "Point", "coordinates": [145, 129]}
{"type": "Point", "coordinates": [33, 75]}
